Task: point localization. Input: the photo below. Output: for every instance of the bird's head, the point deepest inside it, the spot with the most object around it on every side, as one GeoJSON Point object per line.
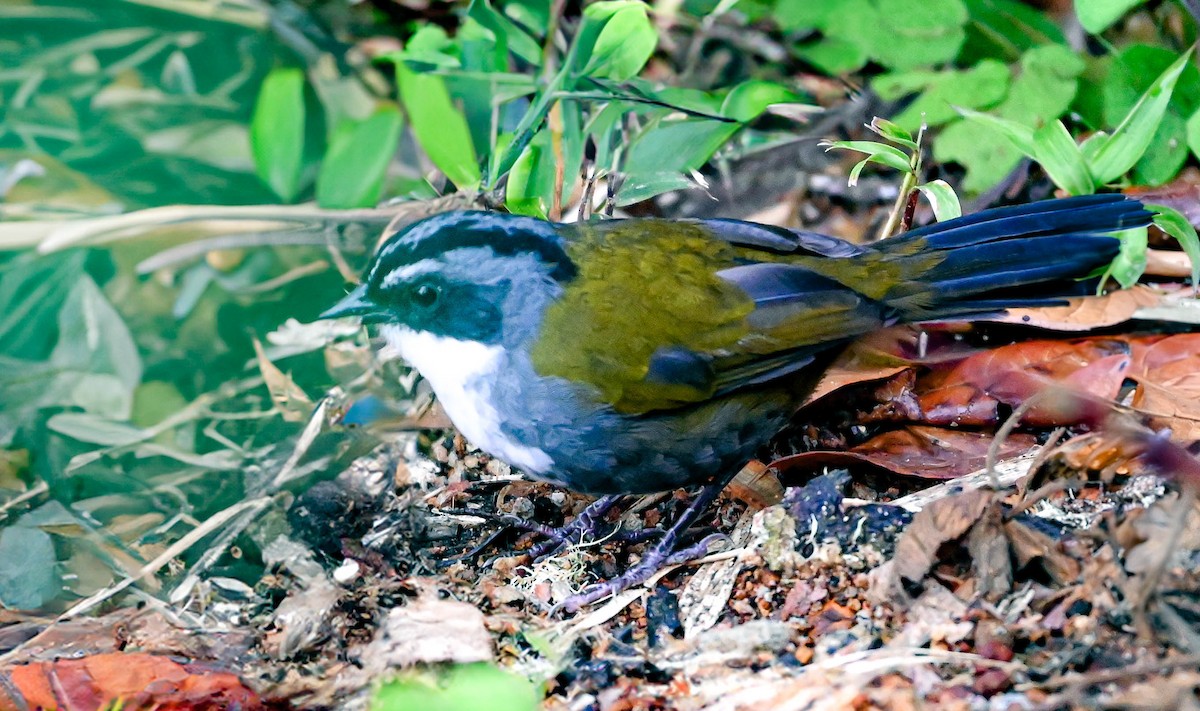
{"type": "Point", "coordinates": [468, 276]}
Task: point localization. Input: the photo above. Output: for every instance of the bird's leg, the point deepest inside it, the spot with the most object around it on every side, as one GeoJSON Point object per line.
{"type": "Point", "coordinates": [660, 554]}
{"type": "Point", "coordinates": [583, 527]}
{"type": "Point", "coordinates": [587, 525]}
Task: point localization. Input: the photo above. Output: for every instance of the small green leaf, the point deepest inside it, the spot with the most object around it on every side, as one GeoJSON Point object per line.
{"type": "Point", "coordinates": [1097, 15]}
{"type": "Point", "coordinates": [462, 687]}
{"type": "Point", "coordinates": [892, 132]}
{"type": "Point", "coordinates": [1172, 222]}
{"type": "Point", "coordinates": [1061, 158]}
{"type": "Point", "coordinates": [277, 132]}
{"type": "Point", "coordinates": [942, 199]}
{"type": "Point", "coordinates": [749, 99]}
{"type": "Point", "coordinates": [1130, 263]}
{"type": "Point", "coordinates": [356, 163]}
{"type": "Point", "coordinates": [879, 152]}
{"type": "Point", "coordinates": [1128, 142]}
{"type": "Point", "coordinates": [439, 126]}
{"type": "Point", "coordinates": [624, 44]}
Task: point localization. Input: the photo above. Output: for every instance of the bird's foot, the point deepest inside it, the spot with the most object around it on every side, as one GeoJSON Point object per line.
{"type": "Point", "coordinates": [663, 553]}
{"type": "Point", "coordinates": [588, 525]}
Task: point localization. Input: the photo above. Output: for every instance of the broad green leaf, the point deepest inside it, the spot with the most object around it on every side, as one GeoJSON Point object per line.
{"type": "Point", "coordinates": [1004, 29]}
{"type": "Point", "coordinates": [624, 44]}
{"type": "Point", "coordinates": [909, 34]}
{"type": "Point", "coordinates": [643, 186]}
{"type": "Point", "coordinates": [937, 93]}
{"type": "Point", "coordinates": [461, 687]}
{"type": "Point", "coordinates": [1097, 15]}
{"type": "Point", "coordinates": [834, 55]}
{"type": "Point", "coordinates": [879, 153]}
{"type": "Point", "coordinates": [1060, 157]}
{"type": "Point", "coordinates": [1130, 263]}
{"type": "Point", "coordinates": [28, 575]}
{"type": "Point", "coordinates": [1129, 140]}
{"type": "Point", "coordinates": [942, 199]}
{"type": "Point", "coordinates": [793, 15]}
{"type": "Point", "coordinates": [749, 99]}
{"type": "Point", "coordinates": [439, 126]}
{"type": "Point", "coordinates": [675, 146]}
{"type": "Point", "coordinates": [1165, 155]}
{"type": "Point", "coordinates": [1172, 222]}
{"type": "Point", "coordinates": [1020, 135]}
{"type": "Point", "coordinates": [356, 163]}
{"type": "Point", "coordinates": [277, 132]}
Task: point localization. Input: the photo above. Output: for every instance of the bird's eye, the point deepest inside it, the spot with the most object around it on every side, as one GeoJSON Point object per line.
{"type": "Point", "coordinates": [426, 295]}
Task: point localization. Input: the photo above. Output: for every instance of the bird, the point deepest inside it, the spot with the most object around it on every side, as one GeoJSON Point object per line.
{"type": "Point", "coordinates": [626, 356]}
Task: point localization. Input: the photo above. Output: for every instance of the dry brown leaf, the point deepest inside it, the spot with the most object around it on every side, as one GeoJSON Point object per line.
{"type": "Point", "coordinates": [938, 523]}
{"type": "Point", "coordinates": [918, 451]}
{"type": "Point", "coordinates": [1085, 313]}
{"type": "Point", "coordinates": [990, 559]}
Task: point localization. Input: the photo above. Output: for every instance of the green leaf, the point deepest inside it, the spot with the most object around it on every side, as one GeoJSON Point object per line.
{"type": "Point", "coordinates": [1193, 134]}
{"type": "Point", "coordinates": [440, 127]}
{"type": "Point", "coordinates": [942, 199]}
{"type": "Point", "coordinates": [462, 687]}
{"type": "Point", "coordinates": [356, 163]}
{"type": "Point", "coordinates": [28, 568]}
{"type": "Point", "coordinates": [748, 100]}
{"type": "Point", "coordinates": [879, 152]}
{"type": "Point", "coordinates": [98, 361]}
{"type": "Point", "coordinates": [1130, 263]}
{"type": "Point", "coordinates": [509, 36]}
{"type": "Point", "coordinates": [1165, 155]}
{"type": "Point", "coordinates": [896, 33]}
{"type": "Point", "coordinates": [892, 132]}
{"type": "Point", "coordinates": [643, 186]}
{"type": "Point", "coordinates": [277, 132]}
{"type": "Point", "coordinates": [1004, 29]}
{"type": "Point", "coordinates": [530, 184]}
{"type": "Point", "coordinates": [1061, 158]}
{"type": "Point", "coordinates": [937, 93]}
{"type": "Point", "coordinates": [95, 430]}
{"type": "Point", "coordinates": [1128, 142]}
{"type": "Point", "coordinates": [1097, 15]}
{"type": "Point", "coordinates": [1018, 134]}
{"type": "Point", "coordinates": [675, 146]}
{"type": "Point", "coordinates": [623, 45]}
{"type": "Point", "coordinates": [1172, 222]}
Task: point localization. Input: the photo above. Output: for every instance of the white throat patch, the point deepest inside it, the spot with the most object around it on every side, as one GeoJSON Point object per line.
{"type": "Point", "coordinates": [460, 374]}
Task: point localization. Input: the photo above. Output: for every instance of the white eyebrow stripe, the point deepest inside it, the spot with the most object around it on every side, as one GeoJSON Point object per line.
{"type": "Point", "coordinates": [425, 266]}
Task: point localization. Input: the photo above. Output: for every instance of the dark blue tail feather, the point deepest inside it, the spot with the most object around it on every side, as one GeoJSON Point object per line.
{"type": "Point", "coordinates": [1003, 249]}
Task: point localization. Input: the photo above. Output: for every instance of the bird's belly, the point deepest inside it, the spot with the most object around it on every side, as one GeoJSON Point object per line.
{"type": "Point", "coordinates": [462, 374]}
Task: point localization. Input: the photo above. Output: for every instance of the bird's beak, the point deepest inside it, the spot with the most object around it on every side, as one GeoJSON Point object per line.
{"type": "Point", "coordinates": [355, 303]}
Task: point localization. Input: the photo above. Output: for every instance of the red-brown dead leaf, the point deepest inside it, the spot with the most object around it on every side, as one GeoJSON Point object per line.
{"type": "Point", "coordinates": [918, 451]}
{"type": "Point", "coordinates": [971, 392]}
{"type": "Point", "coordinates": [1168, 374]}
{"type": "Point", "coordinates": [138, 681]}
